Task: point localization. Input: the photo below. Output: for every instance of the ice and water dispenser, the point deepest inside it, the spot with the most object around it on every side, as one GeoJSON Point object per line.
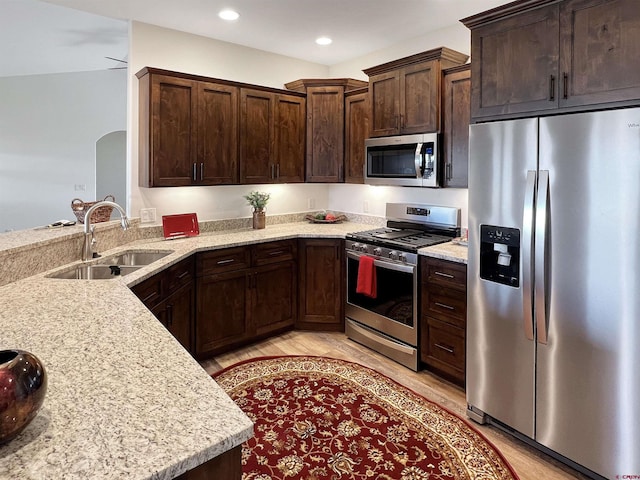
{"type": "Point", "coordinates": [500, 255]}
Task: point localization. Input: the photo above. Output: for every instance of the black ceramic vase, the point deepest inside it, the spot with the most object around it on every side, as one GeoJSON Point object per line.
{"type": "Point", "coordinates": [23, 384]}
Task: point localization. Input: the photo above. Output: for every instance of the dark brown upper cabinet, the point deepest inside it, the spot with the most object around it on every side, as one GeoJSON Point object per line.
{"type": "Point", "coordinates": [271, 137]}
{"type": "Point", "coordinates": [456, 112]}
{"type": "Point", "coordinates": [356, 130]}
{"type": "Point", "coordinates": [202, 131]}
{"type": "Point", "coordinates": [405, 94]}
{"type": "Point", "coordinates": [188, 131]}
{"type": "Point", "coordinates": [325, 126]}
{"type": "Point", "coordinates": [539, 56]}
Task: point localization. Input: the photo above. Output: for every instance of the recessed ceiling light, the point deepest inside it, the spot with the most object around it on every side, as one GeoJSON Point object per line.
{"type": "Point", "coordinates": [323, 41]}
{"type": "Point", "coordinates": [228, 14]}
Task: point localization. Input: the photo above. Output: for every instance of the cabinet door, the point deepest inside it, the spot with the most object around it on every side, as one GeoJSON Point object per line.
{"type": "Point", "coordinates": [515, 64]}
{"type": "Point", "coordinates": [218, 134]}
{"type": "Point", "coordinates": [325, 134]}
{"type": "Point", "coordinates": [221, 312]}
{"type": "Point", "coordinates": [384, 93]}
{"type": "Point", "coordinates": [321, 284]}
{"type": "Point", "coordinates": [599, 51]}
{"type": "Point", "coordinates": [173, 137]}
{"type": "Point", "coordinates": [256, 136]}
{"type": "Point", "coordinates": [273, 305]}
{"type": "Point", "coordinates": [456, 117]}
{"type": "Point", "coordinates": [420, 98]}
{"type": "Point", "coordinates": [289, 154]}
{"type": "Point", "coordinates": [179, 315]}
{"type": "Point", "coordinates": [356, 130]}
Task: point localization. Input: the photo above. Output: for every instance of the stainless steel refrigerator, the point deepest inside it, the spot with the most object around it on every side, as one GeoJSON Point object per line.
{"type": "Point", "coordinates": [553, 335]}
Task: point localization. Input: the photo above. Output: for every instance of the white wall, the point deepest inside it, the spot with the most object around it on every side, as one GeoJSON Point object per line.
{"type": "Point", "coordinates": [457, 37]}
{"type": "Point", "coordinates": [49, 125]}
{"type": "Point", "coordinates": [172, 50]}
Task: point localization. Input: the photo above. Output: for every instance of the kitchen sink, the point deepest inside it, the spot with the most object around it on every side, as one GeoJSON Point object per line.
{"type": "Point", "coordinates": [111, 267]}
{"type": "Point", "coordinates": [139, 258]}
{"type": "Point", "coordinates": [95, 272]}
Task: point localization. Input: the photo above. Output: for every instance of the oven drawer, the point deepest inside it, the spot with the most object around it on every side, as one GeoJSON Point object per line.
{"type": "Point", "coordinates": [445, 347]}
{"type": "Point", "coordinates": [445, 304]}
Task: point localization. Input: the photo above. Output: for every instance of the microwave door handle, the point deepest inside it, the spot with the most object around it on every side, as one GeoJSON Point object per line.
{"type": "Point", "coordinates": [420, 161]}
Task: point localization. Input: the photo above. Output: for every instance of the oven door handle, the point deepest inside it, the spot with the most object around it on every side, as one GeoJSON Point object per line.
{"type": "Point", "coordinates": [383, 264]}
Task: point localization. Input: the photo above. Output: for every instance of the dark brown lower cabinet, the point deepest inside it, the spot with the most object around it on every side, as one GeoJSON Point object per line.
{"type": "Point", "coordinates": [176, 314]}
{"type": "Point", "coordinates": [273, 306]}
{"type": "Point", "coordinates": [321, 267]}
{"type": "Point", "coordinates": [244, 293]}
{"type": "Point", "coordinates": [443, 318]}
{"type": "Point", "coordinates": [170, 297]}
{"type": "Point", "coordinates": [222, 320]}
{"type": "Point", "coordinates": [227, 466]}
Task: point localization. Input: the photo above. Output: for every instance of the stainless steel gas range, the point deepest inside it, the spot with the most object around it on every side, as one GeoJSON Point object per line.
{"type": "Point", "coordinates": [386, 319]}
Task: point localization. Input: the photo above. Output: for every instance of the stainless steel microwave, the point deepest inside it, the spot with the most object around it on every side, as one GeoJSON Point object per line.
{"type": "Point", "coordinates": [406, 160]}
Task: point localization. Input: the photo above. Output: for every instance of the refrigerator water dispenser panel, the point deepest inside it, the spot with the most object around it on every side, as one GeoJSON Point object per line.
{"type": "Point", "coordinates": [500, 255]}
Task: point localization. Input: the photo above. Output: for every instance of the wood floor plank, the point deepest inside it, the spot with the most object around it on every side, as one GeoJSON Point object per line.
{"type": "Point", "coordinates": [529, 463]}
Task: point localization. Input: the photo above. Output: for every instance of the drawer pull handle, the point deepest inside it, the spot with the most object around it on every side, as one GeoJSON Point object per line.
{"type": "Point", "coordinates": [183, 274]}
{"type": "Point", "coordinates": [279, 252]}
{"type": "Point", "coordinates": [446, 275]}
{"type": "Point", "coordinates": [448, 307]}
{"type": "Point", "coordinates": [446, 348]}
{"type": "Point", "coordinates": [224, 262]}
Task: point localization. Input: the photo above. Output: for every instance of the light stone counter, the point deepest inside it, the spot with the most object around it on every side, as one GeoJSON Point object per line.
{"type": "Point", "coordinates": [124, 399]}
{"type": "Point", "coordinates": [446, 251]}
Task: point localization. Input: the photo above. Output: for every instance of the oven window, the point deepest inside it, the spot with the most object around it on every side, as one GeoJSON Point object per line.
{"type": "Point", "coordinates": [394, 298]}
{"type": "Point", "coordinates": [395, 161]}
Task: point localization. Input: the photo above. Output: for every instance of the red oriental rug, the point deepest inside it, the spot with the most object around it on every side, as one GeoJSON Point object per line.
{"type": "Point", "coordinates": [325, 419]}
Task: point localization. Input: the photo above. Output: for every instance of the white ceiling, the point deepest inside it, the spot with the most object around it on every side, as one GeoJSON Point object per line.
{"type": "Point", "coordinates": [39, 36]}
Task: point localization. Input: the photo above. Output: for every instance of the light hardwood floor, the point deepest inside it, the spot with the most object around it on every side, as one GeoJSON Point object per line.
{"type": "Point", "coordinates": [529, 463]}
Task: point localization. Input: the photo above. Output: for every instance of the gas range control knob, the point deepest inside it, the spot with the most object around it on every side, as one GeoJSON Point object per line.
{"type": "Point", "coordinates": [377, 251]}
{"type": "Point", "coordinates": [355, 246]}
{"type": "Point", "coordinates": [402, 257]}
{"type": "Point", "coordinates": [393, 255]}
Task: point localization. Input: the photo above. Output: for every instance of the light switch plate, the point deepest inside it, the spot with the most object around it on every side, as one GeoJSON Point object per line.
{"type": "Point", "coordinates": [147, 215]}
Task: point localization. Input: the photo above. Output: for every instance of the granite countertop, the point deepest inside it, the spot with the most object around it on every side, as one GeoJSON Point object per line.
{"type": "Point", "coordinates": [124, 399]}
{"type": "Point", "coordinates": [446, 251]}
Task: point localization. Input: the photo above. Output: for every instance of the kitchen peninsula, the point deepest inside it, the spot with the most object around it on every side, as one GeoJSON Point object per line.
{"type": "Point", "coordinates": [124, 398]}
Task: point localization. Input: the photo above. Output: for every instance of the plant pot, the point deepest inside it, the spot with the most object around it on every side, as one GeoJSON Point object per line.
{"type": "Point", "coordinates": [23, 384]}
{"type": "Point", "coordinates": [259, 219]}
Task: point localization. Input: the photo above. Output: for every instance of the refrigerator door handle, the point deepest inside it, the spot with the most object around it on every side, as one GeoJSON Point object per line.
{"type": "Point", "coordinates": [541, 256]}
{"type": "Point", "coordinates": [527, 253]}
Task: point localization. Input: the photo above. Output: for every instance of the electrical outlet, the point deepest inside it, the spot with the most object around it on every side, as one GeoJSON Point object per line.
{"type": "Point", "coordinates": [80, 187]}
{"type": "Point", "coordinates": [365, 206]}
{"type": "Point", "coordinates": [311, 203]}
{"type": "Point", "coordinates": [147, 215]}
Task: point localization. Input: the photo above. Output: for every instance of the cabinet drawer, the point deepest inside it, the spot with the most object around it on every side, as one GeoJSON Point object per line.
{"type": "Point", "coordinates": [149, 291]}
{"type": "Point", "coordinates": [446, 344]}
{"type": "Point", "coordinates": [447, 273]}
{"type": "Point", "coordinates": [178, 275]}
{"type": "Point", "coordinates": [272, 252]}
{"type": "Point", "coordinates": [225, 260]}
{"type": "Point", "coordinates": [446, 304]}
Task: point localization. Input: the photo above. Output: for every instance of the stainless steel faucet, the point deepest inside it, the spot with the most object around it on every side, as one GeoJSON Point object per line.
{"type": "Point", "coordinates": [89, 240]}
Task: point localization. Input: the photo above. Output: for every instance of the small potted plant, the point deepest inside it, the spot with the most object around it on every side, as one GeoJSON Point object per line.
{"type": "Point", "coordinates": [258, 200]}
